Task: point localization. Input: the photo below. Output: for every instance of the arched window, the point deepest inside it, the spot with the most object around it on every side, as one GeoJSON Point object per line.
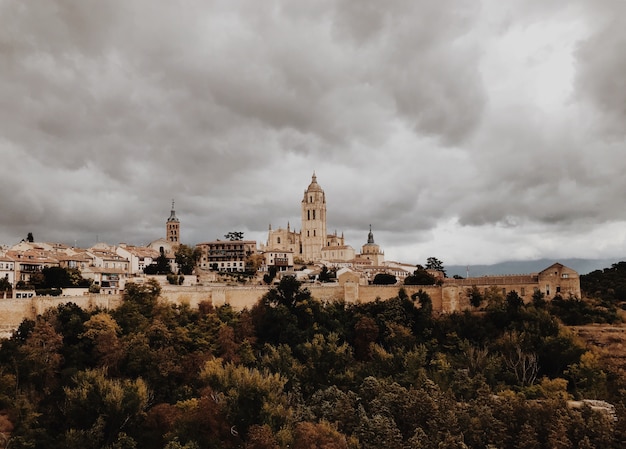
{"type": "Point", "coordinates": [308, 214]}
{"type": "Point", "coordinates": [277, 239]}
{"type": "Point", "coordinates": [313, 214]}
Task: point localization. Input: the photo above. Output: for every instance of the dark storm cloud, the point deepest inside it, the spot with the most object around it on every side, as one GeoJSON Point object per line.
{"type": "Point", "coordinates": [601, 63]}
{"type": "Point", "coordinates": [412, 113]}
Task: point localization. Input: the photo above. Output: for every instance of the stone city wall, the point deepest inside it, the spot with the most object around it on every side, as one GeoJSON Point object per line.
{"type": "Point", "coordinates": [13, 311]}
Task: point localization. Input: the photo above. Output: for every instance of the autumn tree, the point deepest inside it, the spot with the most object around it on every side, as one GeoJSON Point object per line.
{"type": "Point", "coordinates": [187, 258]}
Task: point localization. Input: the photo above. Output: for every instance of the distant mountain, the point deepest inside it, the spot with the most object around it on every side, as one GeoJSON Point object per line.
{"type": "Point", "coordinates": [583, 266]}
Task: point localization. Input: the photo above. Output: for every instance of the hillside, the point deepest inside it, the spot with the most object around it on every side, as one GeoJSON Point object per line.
{"type": "Point", "coordinates": [582, 266]}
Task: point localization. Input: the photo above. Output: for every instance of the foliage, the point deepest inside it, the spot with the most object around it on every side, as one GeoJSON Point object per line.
{"type": "Point", "coordinates": [327, 275]}
{"type": "Point", "coordinates": [271, 274]}
{"type": "Point", "coordinates": [420, 277]}
{"type": "Point", "coordinates": [297, 372]}
{"type": "Point", "coordinates": [160, 266]}
{"type": "Point", "coordinates": [608, 285]}
{"type": "Point", "coordinates": [384, 279]}
{"type": "Point", "coordinates": [187, 258]}
{"type": "Point", "coordinates": [5, 285]}
{"type": "Point", "coordinates": [234, 235]}
{"type": "Point", "coordinates": [432, 263]}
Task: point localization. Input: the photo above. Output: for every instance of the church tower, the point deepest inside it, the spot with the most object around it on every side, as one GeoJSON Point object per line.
{"type": "Point", "coordinates": [372, 251]}
{"type": "Point", "coordinates": [172, 227]}
{"type": "Point", "coordinates": [313, 232]}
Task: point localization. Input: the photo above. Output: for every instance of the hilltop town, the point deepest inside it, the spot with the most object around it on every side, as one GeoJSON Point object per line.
{"type": "Point", "coordinates": [309, 254]}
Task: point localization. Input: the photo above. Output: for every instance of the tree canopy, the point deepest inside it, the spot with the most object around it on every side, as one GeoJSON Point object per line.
{"type": "Point", "coordinates": [294, 371]}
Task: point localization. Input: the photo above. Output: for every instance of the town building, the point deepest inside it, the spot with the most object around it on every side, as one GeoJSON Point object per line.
{"type": "Point", "coordinates": [371, 251]}
{"type": "Point", "coordinates": [555, 280]}
{"type": "Point", "coordinates": [226, 255]}
{"type": "Point", "coordinates": [281, 260]}
{"type": "Point", "coordinates": [172, 227]}
{"type": "Point", "coordinates": [312, 243]}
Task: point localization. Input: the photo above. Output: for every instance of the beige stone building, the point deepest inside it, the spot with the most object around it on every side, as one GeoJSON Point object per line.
{"type": "Point", "coordinates": [371, 251]}
{"type": "Point", "coordinates": [313, 243]}
{"type": "Point", "coordinates": [557, 279]}
{"type": "Point", "coordinates": [226, 255]}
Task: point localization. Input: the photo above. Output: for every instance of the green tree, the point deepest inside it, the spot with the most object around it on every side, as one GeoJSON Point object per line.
{"type": "Point", "coordinates": [384, 279]}
{"type": "Point", "coordinates": [271, 274]}
{"type": "Point", "coordinates": [420, 277]}
{"type": "Point", "coordinates": [234, 235]}
{"type": "Point", "coordinates": [251, 396]}
{"type": "Point", "coordinates": [97, 408]}
{"type": "Point", "coordinates": [5, 285]}
{"type": "Point", "coordinates": [475, 297]}
{"type": "Point", "coordinates": [187, 258]}
{"type": "Point", "coordinates": [325, 274]}
{"type": "Point", "coordinates": [432, 263]}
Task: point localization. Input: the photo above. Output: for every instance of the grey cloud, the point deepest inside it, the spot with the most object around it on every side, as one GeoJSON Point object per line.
{"type": "Point", "coordinates": [601, 63]}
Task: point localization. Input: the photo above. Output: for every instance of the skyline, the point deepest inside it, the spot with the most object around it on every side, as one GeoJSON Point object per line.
{"type": "Point", "coordinates": [474, 132]}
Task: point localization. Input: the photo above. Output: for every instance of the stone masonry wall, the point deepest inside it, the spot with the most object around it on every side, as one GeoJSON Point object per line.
{"type": "Point", "coordinates": [445, 299]}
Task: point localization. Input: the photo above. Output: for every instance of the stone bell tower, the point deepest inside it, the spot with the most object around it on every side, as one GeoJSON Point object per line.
{"type": "Point", "coordinates": [313, 231]}
{"type": "Point", "coordinates": [172, 227]}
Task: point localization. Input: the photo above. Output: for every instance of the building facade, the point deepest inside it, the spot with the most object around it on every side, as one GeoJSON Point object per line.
{"type": "Point", "coordinates": [172, 227]}
{"type": "Point", "coordinates": [226, 255]}
{"type": "Point", "coordinates": [555, 280]}
{"type": "Point", "coordinates": [308, 244]}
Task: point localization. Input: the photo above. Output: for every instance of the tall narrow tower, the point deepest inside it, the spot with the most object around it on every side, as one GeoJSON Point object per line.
{"type": "Point", "coordinates": [172, 227]}
{"type": "Point", "coordinates": [313, 232]}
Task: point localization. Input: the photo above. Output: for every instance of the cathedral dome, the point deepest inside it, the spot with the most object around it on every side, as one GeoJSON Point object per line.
{"type": "Point", "coordinates": [314, 186]}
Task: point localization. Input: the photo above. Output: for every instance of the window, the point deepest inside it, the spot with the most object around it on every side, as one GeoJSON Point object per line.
{"type": "Point", "coordinates": [307, 234]}
{"type": "Point", "coordinates": [308, 214]}
{"type": "Point", "coordinates": [314, 233]}
{"type": "Point", "coordinates": [313, 214]}
{"type": "Point", "coordinates": [558, 289]}
{"type": "Point", "coordinates": [523, 291]}
{"type": "Point", "coordinates": [278, 240]}
{"type": "Point", "coordinates": [565, 275]}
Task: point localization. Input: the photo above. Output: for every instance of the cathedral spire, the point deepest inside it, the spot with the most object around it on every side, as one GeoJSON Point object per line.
{"type": "Point", "coordinates": [172, 214]}
{"type": "Point", "coordinates": [370, 236]}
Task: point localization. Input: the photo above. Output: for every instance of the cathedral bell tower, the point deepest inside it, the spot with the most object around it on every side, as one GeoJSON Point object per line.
{"type": "Point", "coordinates": [313, 231]}
{"type": "Point", "coordinates": [172, 227]}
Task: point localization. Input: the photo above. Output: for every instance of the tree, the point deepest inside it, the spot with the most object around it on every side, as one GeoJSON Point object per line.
{"type": "Point", "coordinates": [271, 274]}
{"type": "Point", "coordinates": [420, 277]}
{"type": "Point", "coordinates": [475, 297]}
{"type": "Point", "coordinates": [325, 274]}
{"type": "Point", "coordinates": [234, 235]}
{"type": "Point", "coordinates": [98, 407]}
{"type": "Point", "coordinates": [384, 279]}
{"type": "Point", "coordinates": [5, 285]}
{"type": "Point", "coordinates": [30, 237]}
{"type": "Point", "coordinates": [187, 258]}
{"type": "Point", "coordinates": [432, 263]}
{"type": "Point", "coordinates": [161, 266]}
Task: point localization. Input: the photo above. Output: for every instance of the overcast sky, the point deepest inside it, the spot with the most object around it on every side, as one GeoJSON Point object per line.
{"type": "Point", "coordinates": [472, 131]}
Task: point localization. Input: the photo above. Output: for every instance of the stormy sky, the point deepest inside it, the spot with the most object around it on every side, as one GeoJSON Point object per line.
{"type": "Point", "coordinates": [472, 131]}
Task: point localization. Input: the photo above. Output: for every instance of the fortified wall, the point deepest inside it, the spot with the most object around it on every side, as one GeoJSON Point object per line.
{"type": "Point", "coordinates": [445, 299]}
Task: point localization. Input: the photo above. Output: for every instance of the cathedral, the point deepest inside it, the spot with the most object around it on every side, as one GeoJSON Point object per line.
{"type": "Point", "coordinates": [313, 243]}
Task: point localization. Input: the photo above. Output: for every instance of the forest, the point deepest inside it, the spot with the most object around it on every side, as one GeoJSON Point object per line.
{"type": "Point", "coordinates": [293, 372]}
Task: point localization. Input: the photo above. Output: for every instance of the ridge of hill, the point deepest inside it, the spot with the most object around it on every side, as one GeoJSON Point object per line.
{"type": "Point", "coordinates": [582, 266]}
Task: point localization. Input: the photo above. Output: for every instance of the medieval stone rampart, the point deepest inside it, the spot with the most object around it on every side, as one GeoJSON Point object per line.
{"type": "Point", "coordinates": [13, 311]}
